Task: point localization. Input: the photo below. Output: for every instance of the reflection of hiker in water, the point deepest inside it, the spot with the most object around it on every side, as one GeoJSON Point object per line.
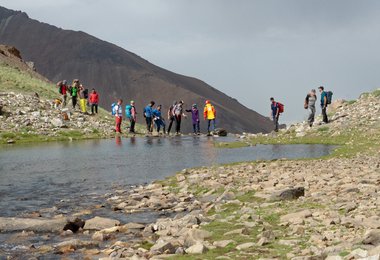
{"type": "Point", "coordinates": [171, 117]}
{"type": "Point", "coordinates": [148, 114]}
{"type": "Point", "coordinates": [118, 140]}
{"type": "Point", "coordinates": [158, 119]}
{"type": "Point", "coordinates": [195, 118]}
{"type": "Point", "coordinates": [178, 113]}
{"type": "Point", "coordinates": [209, 114]}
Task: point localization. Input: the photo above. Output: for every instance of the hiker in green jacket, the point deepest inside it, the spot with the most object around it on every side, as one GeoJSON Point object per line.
{"type": "Point", "coordinates": [74, 92]}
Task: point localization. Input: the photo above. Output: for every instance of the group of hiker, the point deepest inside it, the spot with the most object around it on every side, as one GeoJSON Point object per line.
{"type": "Point", "coordinates": [311, 99]}
{"type": "Point", "coordinates": [78, 90]}
{"type": "Point", "coordinates": [155, 119]}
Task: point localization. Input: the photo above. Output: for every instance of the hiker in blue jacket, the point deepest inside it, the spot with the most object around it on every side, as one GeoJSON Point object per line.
{"type": "Point", "coordinates": [148, 114]}
{"type": "Point", "coordinates": [158, 119]}
{"type": "Point", "coordinates": [275, 113]}
{"type": "Point", "coordinates": [323, 103]}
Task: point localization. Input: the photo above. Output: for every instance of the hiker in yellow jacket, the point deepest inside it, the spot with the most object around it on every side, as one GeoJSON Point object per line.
{"type": "Point", "coordinates": [209, 114]}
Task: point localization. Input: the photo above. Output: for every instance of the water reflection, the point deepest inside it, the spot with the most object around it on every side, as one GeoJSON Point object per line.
{"type": "Point", "coordinates": [118, 140]}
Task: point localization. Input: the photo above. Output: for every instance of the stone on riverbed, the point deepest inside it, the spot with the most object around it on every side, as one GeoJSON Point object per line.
{"type": "Point", "coordinates": [29, 224]}
{"type": "Point", "coordinates": [99, 223]}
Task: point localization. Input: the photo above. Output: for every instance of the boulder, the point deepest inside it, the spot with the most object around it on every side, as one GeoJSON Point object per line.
{"type": "Point", "coordinates": [288, 194]}
{"type": "Point", "coordinates": [297, 217]}
{"type": "Point", "coordinates": [220, 132]}
{"type": "Point", "coordinates": [99, 223]}
{"type": "Point", "coordinates": [372, 237]}
{"type": "Point", "coordinates": [245, 246]}
{"type": "Point", "coordinates": [223, 243]}
{"type": "Point", "coordinates": [198, 248]}
{"type": "Point", "coordinates": [57, 122]}
{"type": "Point", "coordinates": [163, 247]}
{"type": "Point", "coordinates": [31, 224]}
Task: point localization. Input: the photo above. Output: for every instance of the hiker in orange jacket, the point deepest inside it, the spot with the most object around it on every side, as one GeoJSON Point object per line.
{"type": "Point", "coordinates": [209, 114]}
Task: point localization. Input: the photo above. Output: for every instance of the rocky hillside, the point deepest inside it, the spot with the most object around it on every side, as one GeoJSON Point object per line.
{"type": "Point", "coordinates": [26, 107]}
{"type": "Point", "coordinates": [62, 54]}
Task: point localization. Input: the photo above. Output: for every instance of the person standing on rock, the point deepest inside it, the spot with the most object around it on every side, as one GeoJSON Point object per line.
{"type": "Point", "coordinates": [118, 115]}
{"type": "Point", "coordinates": [133, 117]}
{"type": "Point", "coordinates": [209, 114]}
{"type": "Point", "coordinates": [63, 91]}
{"type": "Point", "coordinates": [310, 101]}
{"type": "Point", "coordinates": [275, 113]}
{"type": "Point", "coordinates": [94, 101]}
{"type": "Point", "coordinates": [158, 120]}
{"type": "Point", "coordinates": [171, 117]}
{"type": "Point", "coordinates": [148, 114]}
{"type": "Point", "coordinates": [83, 95]}
{"type": "Point", "coordinates": [323, 104]}
{"type": "Point", "coordinates": [178, 113]}
{"type": "Point", "coordinates": [195, 118]}
{"type": "Point", "coordinates": [74, 92]}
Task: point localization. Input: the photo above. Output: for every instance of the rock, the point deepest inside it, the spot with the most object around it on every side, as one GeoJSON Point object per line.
{"type": "Point", "coordinates": [334, 257]}
{"type": "Point", "coordinates": [56, 122]}
{"type": "Point", "coordinates": [198, 248]}
{"type": "Point", "coordinates": [372, 237]}
{"type": "Point", "coordinates": [288, 194]}
{"type": "Point", "coordinates": [220, 132]}
{"type": "Point", "coordinates": [357, 254]}
{"type": "Point", "coordinates": [74, 244]}
{"type": "Point", "coordinates": [297, 217]}
{"type": "Point", "coordinates": [194, 236]}
{"type": "Point", "coordinates": [74, 225]}
{"type": "Point", "coordinates": [245, 246]}
{"type": "Point", "coordinates": [100, 236]}
{"type": "Point", "coordinates": [240, 231]}
{"type": "Point", "coordinates": [99, 223]}
{"type": "Point", "coordinates": [163, 247]}
{"type": "Point", "coordinates": [134, 226]}
{"type": "Point", "coordinates": [223, 243]}
{"type": "Point", "coordinates": [10, 141]}
{"type": "Point", "coordinates": [28, 224]}
{"type": "Point", "coordinates": [180, 251]}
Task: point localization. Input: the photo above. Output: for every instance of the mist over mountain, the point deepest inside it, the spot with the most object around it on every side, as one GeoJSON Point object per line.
{"type": "Point", "coordinates": [117, 73]}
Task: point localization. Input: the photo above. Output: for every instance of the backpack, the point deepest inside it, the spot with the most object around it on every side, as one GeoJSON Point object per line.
{"type": "Point", "coordinates": [59, 86]}
{"type": "Point", "coordinates": [280, 107]}
{"type": "Point", "coordinates": [113, 111]}
{"type": "Point", "coordinates": [85, 93]}
{"type": "Point", "coordinates": [329, 97]}
{"type": "Point", "coordinates": [128, 109]}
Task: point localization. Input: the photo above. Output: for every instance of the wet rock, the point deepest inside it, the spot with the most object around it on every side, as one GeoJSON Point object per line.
{"type": "Point", "coordinates": [29, 224]}
{"type": "Point", "coordinates": [74, 225]}
{"type": "Point", "coordinates": [99, 223]}
{"type": "Point", "coordinates": [220, 132]}
{"type": "Point", "coordinates": [74, 244]}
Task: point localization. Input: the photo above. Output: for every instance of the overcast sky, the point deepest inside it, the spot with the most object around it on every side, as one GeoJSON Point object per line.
{"type": "Point", "coordinates": [249, 49]}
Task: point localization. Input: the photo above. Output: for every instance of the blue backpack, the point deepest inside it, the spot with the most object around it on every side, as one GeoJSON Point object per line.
{"type": "Point", "coordinates": [329, 95]}
{"type": "Point", "coordinates": [128, 109]}
{"type": "Point", "coordinates": [113, 109]}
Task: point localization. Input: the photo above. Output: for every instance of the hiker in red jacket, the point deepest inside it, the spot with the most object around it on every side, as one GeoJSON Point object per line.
{"type": "Point", "coordinates": [94, 100]}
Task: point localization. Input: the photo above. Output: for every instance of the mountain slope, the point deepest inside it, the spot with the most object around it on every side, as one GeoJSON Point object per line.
{"type": "Point", "coordinates": [64, 54]}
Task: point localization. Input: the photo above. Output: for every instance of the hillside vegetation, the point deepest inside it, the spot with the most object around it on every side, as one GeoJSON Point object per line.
{"type": "Point", "coordinates": [26, 107]}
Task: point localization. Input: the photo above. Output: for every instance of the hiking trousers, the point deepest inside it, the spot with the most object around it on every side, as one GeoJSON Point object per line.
{"type": "Point", "coordinates": [83, 105]}
{"type": "Point", "coordinates": [148, 121]}
{"type": "Point", "coordinates": [159, 123]}
{"type": "Point", "coordinates": [196, 128]}
{"type": "Point", "coordinates": [178, 124]}
{"type": "Point", "coordinates": [118, 120]}
{"type": "Point", "coordinates": [74, 100]}
{"type": "Point", "coordinates": [64, 100]}
{"type": "Point", "coordinates": [275, 122]}
{"type": "Point", "coordinates": [94, 107]}
{"type": "Point", "coordinates": [171, 120]}
{"type": "Point", "coordinates": [209, 124]}
{"type": "Point", "coordinates": [324, 115]}
{"type": "Point", "coordinates": [311, 116]}
{"type": "Point", "coordinates": [132, 127]}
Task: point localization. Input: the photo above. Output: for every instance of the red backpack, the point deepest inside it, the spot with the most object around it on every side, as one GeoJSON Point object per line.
{"type": "Point", "coordinates": [280, 107]}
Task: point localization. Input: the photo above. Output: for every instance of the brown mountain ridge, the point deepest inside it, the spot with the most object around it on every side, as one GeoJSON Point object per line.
{"type": "Point", "coordinates": [64, 54]}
